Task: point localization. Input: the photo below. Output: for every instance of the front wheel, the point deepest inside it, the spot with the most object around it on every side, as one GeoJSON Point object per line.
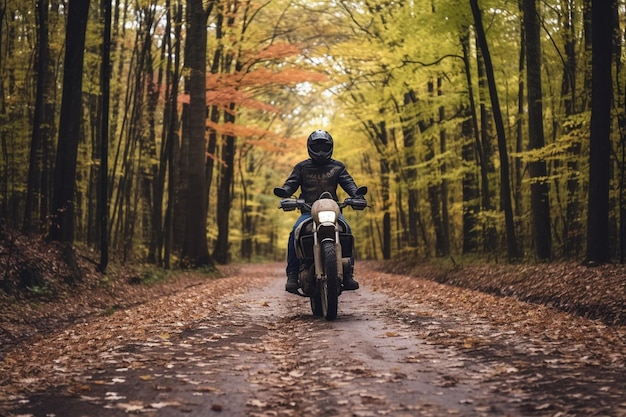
{"type": "Point", "coordinates": [316, 304]}
{"type": "Point", "coordinates": [329, 286]}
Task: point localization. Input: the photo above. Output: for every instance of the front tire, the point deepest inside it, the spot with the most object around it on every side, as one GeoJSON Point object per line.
{"type": "Point", "coordinates": [329, 287]}
{"type": "Point", "coordinates": [316, 304]}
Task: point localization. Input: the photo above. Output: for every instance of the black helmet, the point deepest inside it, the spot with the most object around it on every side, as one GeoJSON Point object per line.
{"type": "Point", "coordinates": [320, 146]}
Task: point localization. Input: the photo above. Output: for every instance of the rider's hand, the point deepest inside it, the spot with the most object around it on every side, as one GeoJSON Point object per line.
{"type": "Point", "coordinates": [358, 202]}
{"type": "Point", "coordinates": [281, 192]}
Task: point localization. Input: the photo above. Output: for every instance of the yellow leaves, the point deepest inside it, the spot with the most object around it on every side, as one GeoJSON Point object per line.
{"type": "Point", "coordinates": [469, 343]}
{"type": "Point", "coordinates": [131, 407]}
{"type": "Point", "coordinates": [134, 407]}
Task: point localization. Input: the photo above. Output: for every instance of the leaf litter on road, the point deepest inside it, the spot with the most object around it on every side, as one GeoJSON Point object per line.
{"type": "Point", "coordinates": [427, 342]}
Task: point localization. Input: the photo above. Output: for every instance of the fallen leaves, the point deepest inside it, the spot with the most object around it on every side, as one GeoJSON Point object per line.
{"type": "Point", "coordinates": [432, 342]}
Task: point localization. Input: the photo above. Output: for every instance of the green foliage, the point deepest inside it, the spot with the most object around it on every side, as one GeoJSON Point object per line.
{"type": "Point", "coordinates": [149, 275]}
{"type": "Point", "coordinates": [388, 80]}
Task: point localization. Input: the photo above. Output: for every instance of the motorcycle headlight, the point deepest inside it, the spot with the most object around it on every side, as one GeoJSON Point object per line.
{"type": "Point", "coordinates": [326, 217]}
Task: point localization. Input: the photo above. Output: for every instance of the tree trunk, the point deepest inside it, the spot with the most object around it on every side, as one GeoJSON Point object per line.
{"type": "Point", "coordinates": [572, 227]}
{"type": "Point", "coordinates": [486, 154]}
{"type": "Point", "coordinates": [195, 248]}
{"type": "Point", "coordinates": [222, 62]}
{"type": "Point", "coordinates": [621, 104]}
{"type": "Point", "coordinates": [152, 189]}
{"type": "Point", "coordinates": [472, 152]}
{"type": "Point", "coordinates": [105, 76]}
{"type": "Point", "coordinates": [41, 131]}
{"type": "Point", "coordinates": [445, 215]}
{"type": "Point", "coordinates": [62, 210]}
{"type": "Point", "coordinates": [434, 187]}
{"type": "Point", "coordinates": [246, 159]}
{"type": "Point", "coordinates": [540, 203]}
{"type": "Point", "coordinates": [600, 145]}
{"type": "Point", "coordinates": [519, 131]}
{"type": "Point", "coordinates": [408, 133]}
{"type": "Point", "coordinates": [386, 233]}
{"type": "Point", "coordinates": [172, 149]}
{"type": "Point", "coordinates": [505, 186]}
{"type": "Point", "coordinates": [220, 253]}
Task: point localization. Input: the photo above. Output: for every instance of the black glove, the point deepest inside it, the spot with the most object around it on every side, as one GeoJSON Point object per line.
{"type": "Point", "coordinates": [281, 192]}
{"type": "Point", "coordinates": [358, 202]}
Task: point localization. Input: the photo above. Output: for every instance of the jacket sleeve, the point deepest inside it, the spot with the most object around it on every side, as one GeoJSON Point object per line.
{"type": "Point", "coordinates": [347, 182]}
{"type": "Point", "coordinates": [293, 181]}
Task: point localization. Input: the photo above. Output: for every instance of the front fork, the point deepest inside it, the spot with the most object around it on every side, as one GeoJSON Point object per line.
{"type": "Point", "coordinates": [338, 253]}
{"type": "Point", "coordinates": [320, 273]}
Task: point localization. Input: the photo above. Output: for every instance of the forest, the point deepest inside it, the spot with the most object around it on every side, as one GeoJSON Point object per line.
{"type": "Point", "coordinates": [156, 130]}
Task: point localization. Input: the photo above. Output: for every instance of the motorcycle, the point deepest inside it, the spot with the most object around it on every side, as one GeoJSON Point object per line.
{"type": "Point", "coordinates": [324, 248]}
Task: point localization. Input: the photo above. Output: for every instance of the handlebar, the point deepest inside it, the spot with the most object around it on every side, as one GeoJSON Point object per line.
{"type": "Point", "coordinates": [290, 204]}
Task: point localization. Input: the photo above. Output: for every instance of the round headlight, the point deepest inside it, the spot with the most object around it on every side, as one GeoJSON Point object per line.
{"type": "Point", "coordinates": [326, 217]}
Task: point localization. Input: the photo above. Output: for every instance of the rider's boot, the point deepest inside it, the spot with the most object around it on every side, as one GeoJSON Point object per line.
{"type": "Point", "coordinates": [348, 280]}
{"type": "Point", "coordinates": [349, 283]}
{"type": "Point", "coordinates": [292, 283]}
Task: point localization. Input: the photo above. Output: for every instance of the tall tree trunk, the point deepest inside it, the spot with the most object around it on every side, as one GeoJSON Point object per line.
{"type": "Point", "coordinates": [220, 253]}
{"type": "Point", "coordinates": [487, 166]}
{"type": "Point", "coordinates": [572, 227]}
{"type": "Point", "coordinates": [41, 131]}
{"type": "Point", "coordinates": [246, 164]}
{"type": "Point", "coordinates": [62, 210]}
{"type": "Point", "coordinates": [172, 147]}
{"type": "Point", "coordinates": [408, 133]}
{"type": "Point", "coordinates": [505, 186]}
{"type": "Point", "coordinates": [445, 215]}
{"type": "Point", "coordinates": [164, 82]}
{"type": "Point", "coordinates": [226, 169]}
{"type": "Point", "coordinates": [471, 206]}
{"type": "Point", "coordinates": [600, 144]}
{"type": "Point", "coordinates": [472, 152]}
{"type": "Point", "coordinates": [105, 77]}
{"type": "Point", "coordinates": [195, 248]}
{"type": "Point", "coordinates": [434, 186]}
{"type": "Point", "coordinates": [621, 117]}
{"type": "Point", "coordinates": [540, 203]}
{"type": "Point", "coordinates": [152, 189]}
{"type": "Point", "coordinates": [519, 131]}
{"type": "Point", "coordinates": [170, 144]}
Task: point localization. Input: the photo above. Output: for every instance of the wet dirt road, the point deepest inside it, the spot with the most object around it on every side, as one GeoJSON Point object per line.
{"type": "Point", "coordinates": [260, 352]}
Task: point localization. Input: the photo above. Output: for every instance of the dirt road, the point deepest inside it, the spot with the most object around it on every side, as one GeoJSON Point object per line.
{"type": "Point", "coordinates": [399, 347]}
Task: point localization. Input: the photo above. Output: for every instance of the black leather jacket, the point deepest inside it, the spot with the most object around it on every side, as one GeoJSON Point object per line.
{"type": "Point", "coordinates": [313, 179]}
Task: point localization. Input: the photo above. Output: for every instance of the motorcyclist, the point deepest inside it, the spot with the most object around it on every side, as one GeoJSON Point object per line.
{"type": "Point", "coordinates": [313, 176]}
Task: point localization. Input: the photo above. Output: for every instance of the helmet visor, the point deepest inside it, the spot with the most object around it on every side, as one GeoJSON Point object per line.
{"type": "Point", "coordinates": [321, 147]}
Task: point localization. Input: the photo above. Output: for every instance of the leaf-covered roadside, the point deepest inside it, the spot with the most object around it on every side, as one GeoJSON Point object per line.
{"type": "Point", "coordinates": [69, 336]}
{"type": "Point", "coordinates": [38, 295]}
{"type": "Point", "coordinates": [54, 301]}
{"type": "Point", "coordinates": [597, 293]}
{"type": "Point", "coordinates": [550, 362]}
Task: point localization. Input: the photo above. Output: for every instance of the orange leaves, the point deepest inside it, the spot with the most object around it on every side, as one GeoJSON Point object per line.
{"type": "Point", "coordinates": [273, 52]}
{"type": "Point", "coordinates": [244, 88]}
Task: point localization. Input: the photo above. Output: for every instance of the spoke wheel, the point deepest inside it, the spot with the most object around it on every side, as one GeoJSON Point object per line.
{"type": "Point", "coordinates": [329, 289]}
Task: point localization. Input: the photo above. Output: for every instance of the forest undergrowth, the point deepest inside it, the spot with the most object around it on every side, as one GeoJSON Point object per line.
{"type": "Point", "coordinates": [40, 290]}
